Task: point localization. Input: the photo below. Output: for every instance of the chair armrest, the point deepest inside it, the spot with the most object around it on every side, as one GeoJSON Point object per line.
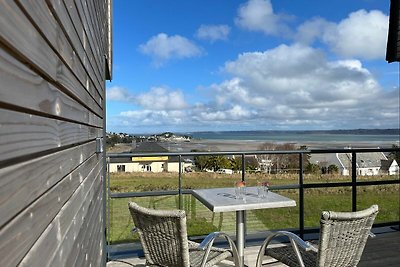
{"type": "Point", "coordinates": [210, 239]}
{"type": "Point", "coordinates": [295, 242]}
{"type": "Point", "coordinates": [307, 246]}
{"type": "Point", "coordinates": [207, 243]}
{"type": "Point", "coordinates": [371, 234]}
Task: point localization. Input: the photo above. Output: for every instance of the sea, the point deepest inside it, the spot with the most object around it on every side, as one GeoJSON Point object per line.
{"type": "Point", "coordinates": [390, 136]}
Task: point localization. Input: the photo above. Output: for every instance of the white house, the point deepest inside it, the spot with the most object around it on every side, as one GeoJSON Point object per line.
{"type": "Point", "coordinates": [366, 163]}
{"type": "Point", "coordinates": [148, 163]}
{"type": "Point", "coordinates": [390, 167]}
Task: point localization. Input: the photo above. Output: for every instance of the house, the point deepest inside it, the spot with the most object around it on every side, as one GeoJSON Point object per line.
{"type": "Point", "coordinates": [265, 165]}
{"type": "Point", "coordinates": [367, 163]}
{"type": "Point", "coordinates": [149, 163]}
{"type": "Point", "coordinates": [390, 167]}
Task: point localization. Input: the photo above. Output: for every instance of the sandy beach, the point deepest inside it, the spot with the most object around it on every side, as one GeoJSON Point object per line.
{"type": "Point", "coordinates": [249, 145]}
{"type": "Point", "coordinates": [241, 145]}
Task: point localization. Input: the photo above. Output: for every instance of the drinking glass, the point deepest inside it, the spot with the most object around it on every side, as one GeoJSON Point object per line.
{"type": "Point", "coordinates": [262, 189]}
{"type": "Point", "coordinates": [240, 190]}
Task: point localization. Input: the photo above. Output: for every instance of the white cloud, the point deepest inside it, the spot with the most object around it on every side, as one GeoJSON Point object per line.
{"type": "Point", "coordinates": [163, 48]}
{"type": "Point", "coordinates": [213, 32]}
{"type": "Point", "coordinates": [286, 87]}
{"type": "Point", "coordinates": [297, 85]}
{"type": "Point", "coordinates": [313, 29]}
{"type": "Point", "coordinates": [361, 35]}
{"type": "Point", "coordinates": [159, 98]}
{"type": "Point", "coordinates": [117, 93]}
{"type": "Point", "coordinates": [153, 117]}
{"type": "Point", "coordinates": [234, 113]}
{"type": "Point", "coordinates": [258, 15]}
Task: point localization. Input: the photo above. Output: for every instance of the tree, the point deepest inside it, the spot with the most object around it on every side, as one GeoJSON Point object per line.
{"type": "Point", "coordinates": [312, 168]}
{"type": "Point", "coordinates": [211, 162]}
{"type": "Point", "coordinates": [236, 163]}
{"type": "Point", "coordinates": [267, 159]}
{"type": "Point", "coordinates": [287, 161]}
{"type": "Point", "coordinates": [218, 162]}
{"type": "Point", "coordinates": [333, 169]}
{"type": "Point", "coordinates": [283, 161]}
{"type": "Point", "coordinates": [395, 154]}
{"type": "Point", "coordinates": [112, 140]}
{"type": "Point", "coordinates": [201, 162]}
{"type": "Point", "coordinates": [251, 163]}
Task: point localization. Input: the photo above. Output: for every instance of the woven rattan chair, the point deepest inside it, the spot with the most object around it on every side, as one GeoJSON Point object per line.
{"type": "Point", "coordinates": [164, 240]}
{"type": "Point", "coordinates": [342, 239]}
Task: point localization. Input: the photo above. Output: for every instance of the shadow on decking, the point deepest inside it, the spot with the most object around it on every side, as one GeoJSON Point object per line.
{"type": "Point", "coordinates": [382, 250]}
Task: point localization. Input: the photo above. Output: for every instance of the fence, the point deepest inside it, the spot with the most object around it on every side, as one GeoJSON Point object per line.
{"type": "Point", "coordinates": [355, 185]}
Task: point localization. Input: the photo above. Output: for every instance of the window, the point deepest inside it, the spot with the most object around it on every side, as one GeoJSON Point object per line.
{"type": "Point", "coordinates": [120, 168]}
{"type": "Point", "coordinates": [146, 168]}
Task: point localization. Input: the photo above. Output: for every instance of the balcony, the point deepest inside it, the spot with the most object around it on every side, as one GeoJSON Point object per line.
{"type": "Point", "coordinates": [313, 192]}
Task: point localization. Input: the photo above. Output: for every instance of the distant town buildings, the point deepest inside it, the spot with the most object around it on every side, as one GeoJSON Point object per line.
{"type": "Point", "coordinates": [373, 163]}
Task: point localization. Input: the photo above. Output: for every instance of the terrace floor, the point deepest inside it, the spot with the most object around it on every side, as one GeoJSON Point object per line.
{"type": "Point", "coordinates": [382, 250]}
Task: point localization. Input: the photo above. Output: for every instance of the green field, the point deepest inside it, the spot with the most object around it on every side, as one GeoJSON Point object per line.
{"type": "Point", "coordinates": [201, 221]}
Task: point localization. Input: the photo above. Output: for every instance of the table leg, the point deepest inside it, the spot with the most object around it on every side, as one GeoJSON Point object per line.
{"type": "Point", "coordinates": [240, 235]}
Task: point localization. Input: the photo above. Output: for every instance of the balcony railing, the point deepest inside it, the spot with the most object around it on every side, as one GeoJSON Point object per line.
{"type": "Point", "coordinates": [360, 190]}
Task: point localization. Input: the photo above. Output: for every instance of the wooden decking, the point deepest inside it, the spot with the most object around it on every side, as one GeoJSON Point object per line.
{"type": "Point", "coordinates": [382, 250]}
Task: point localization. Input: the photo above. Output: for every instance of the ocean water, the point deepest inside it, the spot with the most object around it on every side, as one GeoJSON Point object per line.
{"type": "Point", "coordinates": [300, 136]}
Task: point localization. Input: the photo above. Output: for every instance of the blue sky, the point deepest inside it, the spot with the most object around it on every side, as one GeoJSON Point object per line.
{"type": "Point", "coordinates": [215, 65]}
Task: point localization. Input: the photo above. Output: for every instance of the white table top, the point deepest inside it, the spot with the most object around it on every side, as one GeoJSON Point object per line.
{"type": "Point", "coordinates": [223, 199]}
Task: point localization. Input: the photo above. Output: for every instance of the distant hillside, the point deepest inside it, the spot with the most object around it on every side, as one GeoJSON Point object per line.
{"type": "Point", "coordinates": [363, 131]}
{"type": "Point", "coordinates": [350, 131]}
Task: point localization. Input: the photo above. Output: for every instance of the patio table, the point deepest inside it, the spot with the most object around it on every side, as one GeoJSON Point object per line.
{"type": "Point", "coordinates": [224, 200]}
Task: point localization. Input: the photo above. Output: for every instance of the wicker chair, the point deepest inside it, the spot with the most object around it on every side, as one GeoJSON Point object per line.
{"type": "Point", "coordinates": [165, 243]}
{"type": "Point", "coordinates": [342, 239]}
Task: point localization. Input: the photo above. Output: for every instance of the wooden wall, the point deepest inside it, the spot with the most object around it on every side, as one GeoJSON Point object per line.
{"type": "Point", "coordinates": [55, 56]}
{"type": "Point", "coordinates": [393, 42]}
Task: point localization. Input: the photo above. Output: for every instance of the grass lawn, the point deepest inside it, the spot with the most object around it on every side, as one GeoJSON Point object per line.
{"type": "Point", "coordinates": [201, 221]}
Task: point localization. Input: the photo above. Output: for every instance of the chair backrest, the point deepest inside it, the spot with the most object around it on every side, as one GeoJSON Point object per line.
{"type": "Point", "coordinates": [343, 236]}
{"type": "Point", "coordinates": [163, 235]}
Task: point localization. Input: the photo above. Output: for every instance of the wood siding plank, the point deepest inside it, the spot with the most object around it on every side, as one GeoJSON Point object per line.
{"type": "Point", "coordinates": [70, 8]}
{"type": "Point", "coordinates": [42, 96]}
{"type": "Point", "coordinates": [22, 183]}
{"type": "Point", "coordinates": [94, 16]}
{"type": "Point", "coordinates": [18, 236]}
{"type": "Point", "coordinates": [75, 33]}
{"type": "Point", "coordinates": [100, 16]}
{"type": "Point", "coordinates": [48, 27]}
{"type": "Point", "coordinates": [60, 236]}
{"type": "Point", "coordinates": [86, 238]}
{"type": "Point", "coordinates": [35, 50]}
{"type": "Point", "coordinates": [22, 134]}
{"type": "Point", "coordinates": [99, 57]}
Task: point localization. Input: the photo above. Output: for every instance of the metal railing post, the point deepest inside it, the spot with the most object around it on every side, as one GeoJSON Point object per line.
{"type": "Point", "coordinates": [180, 183]}
{"type": "Point", "coordinates": [244, 212]}
{"type": "Point", "coordinates": [301, 196]}
{"type": "Point", "coordinates": [243, 168]}
{"type": "Point", "coordinates": [108, 231]}
{"type": "Point", "coordinates": [354, 181]}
